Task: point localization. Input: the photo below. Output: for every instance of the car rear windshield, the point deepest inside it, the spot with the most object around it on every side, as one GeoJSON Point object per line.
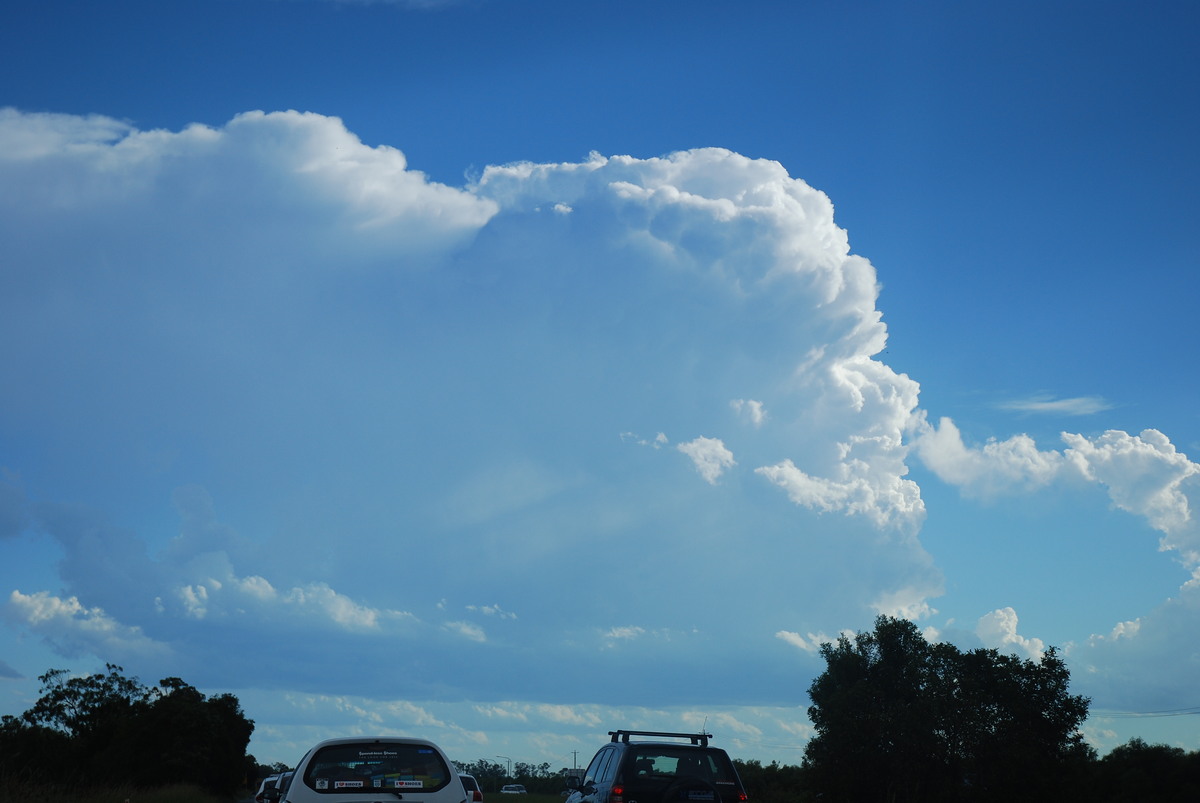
{"type": "Point", "coordinates": [376, 765]}
{"type": "Point", "coordinates": [665, 761]}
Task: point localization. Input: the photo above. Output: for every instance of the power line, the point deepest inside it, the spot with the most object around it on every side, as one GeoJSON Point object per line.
{"type": "Point", "coordinates": [1170, 712]}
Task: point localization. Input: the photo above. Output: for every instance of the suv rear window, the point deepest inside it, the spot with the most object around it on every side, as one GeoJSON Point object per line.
{"type": "Point", "coordinates": [660, 761]}
{"type": "Point", "coordinates": [376, 765]}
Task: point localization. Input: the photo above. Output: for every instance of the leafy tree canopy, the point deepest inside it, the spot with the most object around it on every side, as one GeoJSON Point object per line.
{"type": "Point", "coordinates": [898, 718]}
{"type": "Point", "coordinates": [109, 729]}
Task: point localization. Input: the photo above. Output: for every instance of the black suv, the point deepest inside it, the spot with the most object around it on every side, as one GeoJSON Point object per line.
{"type": "Point", "coordinates": [655, 771]}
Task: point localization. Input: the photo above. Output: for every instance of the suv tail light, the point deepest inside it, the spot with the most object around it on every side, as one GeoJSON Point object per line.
{"type": "Point", "coordinates": [616, 794]}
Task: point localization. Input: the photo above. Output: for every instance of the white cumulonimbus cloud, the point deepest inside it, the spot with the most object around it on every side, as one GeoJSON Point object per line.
{"type": "Point", "coordinates": [416, 386]}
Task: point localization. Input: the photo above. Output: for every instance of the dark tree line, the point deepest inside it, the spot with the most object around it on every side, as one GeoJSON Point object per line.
{"type": "Point", "coordinates": [900, 719]}
{"type": "Point", "coordinates": [492, 775]}
{"type": "Point", "coordinates": [109, 730]}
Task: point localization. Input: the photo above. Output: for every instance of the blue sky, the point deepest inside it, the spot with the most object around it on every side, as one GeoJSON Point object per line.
{"type": "Point", "coordinates": [507, 372]}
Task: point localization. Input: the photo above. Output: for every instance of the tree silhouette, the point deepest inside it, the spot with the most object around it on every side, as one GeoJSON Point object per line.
{"type": "Point", "coordinates": [900, 719]}
{"type": "Point", "coordinates": [110, 730]}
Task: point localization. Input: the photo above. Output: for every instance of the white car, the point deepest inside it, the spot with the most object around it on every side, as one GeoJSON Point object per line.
{"type": "Point", "coordinates": [513, 789]}
{"type": "Point", "coordinates": [471, 787]}
{"type": "Point", "coordinates": [361, 769]}
{"type": "Point", "coordinates": [267, 783]}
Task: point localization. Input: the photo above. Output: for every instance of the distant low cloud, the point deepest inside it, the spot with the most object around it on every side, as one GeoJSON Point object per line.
{"type": "Point", "coordinates": [1138, 664]}
{"type": "Point", "coordinates": [74, 630]}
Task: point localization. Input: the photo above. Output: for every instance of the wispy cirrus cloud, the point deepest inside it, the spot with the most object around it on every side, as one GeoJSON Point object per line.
{"type": "Point", "coordinates": [1049, 405]}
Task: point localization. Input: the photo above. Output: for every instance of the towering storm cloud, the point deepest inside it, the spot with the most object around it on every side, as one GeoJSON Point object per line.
{"type": "Point", "coordinates": [267, 387]}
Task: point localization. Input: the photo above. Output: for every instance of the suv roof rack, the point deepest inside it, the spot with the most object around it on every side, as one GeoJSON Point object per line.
{"type": "Point", "coordinates": [696, 738]}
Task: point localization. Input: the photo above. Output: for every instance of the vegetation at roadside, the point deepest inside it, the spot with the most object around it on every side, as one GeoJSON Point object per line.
{"type": "Point", "coordinates": [86, 735]}
{"type": "Point", "coordinates": [897, 720]}
{"type": "Point", "coordinates": [900, 719]}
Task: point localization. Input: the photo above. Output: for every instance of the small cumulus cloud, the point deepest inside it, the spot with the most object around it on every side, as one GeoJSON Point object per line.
{"type": "Point", "coordinates": [908, 602]}
{"type": "Point", "coordinates": [998, 630]}
{"type": "Point", "coordinates": [492, 610]}
{"type": "Point", "coordinates": [468, 630]}
{"type": "Point", "coordinates": [657, 442]}
{"type": "Point", "coordinates": [709, 456]}
{"type": "Point", "coordinates": [749, 409]}
{"type": "Point", "coordinates": [1121, 630]}
{"type": "Point", "coordinates": [810, 644]}
{"type": "Point", "coordinates": [624, 633]}
{"type": "Point", "coordinates": [322, 600]}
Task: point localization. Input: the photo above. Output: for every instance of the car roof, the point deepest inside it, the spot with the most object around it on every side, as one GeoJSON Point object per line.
{"type": "Point", "coordinates": [699, 739]}
{"type": "Point", "coordinates": [380, 739]}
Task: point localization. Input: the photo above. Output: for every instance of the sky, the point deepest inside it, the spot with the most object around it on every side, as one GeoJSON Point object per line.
{"type": "Point", "coordinates": [505, 372]}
